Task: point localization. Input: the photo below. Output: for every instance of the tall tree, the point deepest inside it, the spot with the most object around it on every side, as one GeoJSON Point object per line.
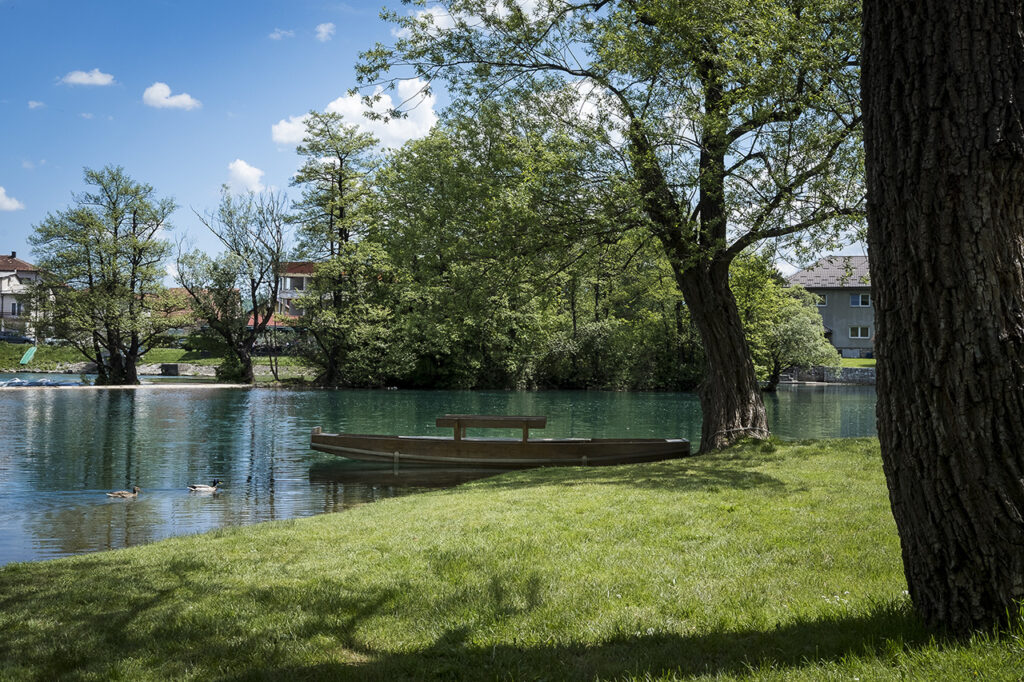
{"type": "Point", "coordinates": [731, 122]}
{"type": "Point", "coordinates": [349, 317]}
{"type": "Point", "coordinates": [236, 293]}
{"type": "Point", "coordinates": [338, 161]}
{"type": "Point", "coordinates": [103, 266]}
{"type": "Point", "coordinates": [944, 133]}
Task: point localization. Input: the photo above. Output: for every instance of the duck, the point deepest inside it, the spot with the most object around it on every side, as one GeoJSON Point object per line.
{"type": "Point", "coordinates": [201, 488]}
{"type": "Point", "coordinates": [134, 492]}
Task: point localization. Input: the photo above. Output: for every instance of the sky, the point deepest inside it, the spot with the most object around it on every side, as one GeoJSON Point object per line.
{"type": "Point", "coordinates": [185, 95]}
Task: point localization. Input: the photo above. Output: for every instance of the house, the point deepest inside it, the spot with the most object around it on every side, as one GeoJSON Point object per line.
{"type": "Point", "coordinates": [843, 287]}
{"type": "Point", "coordinates": [16, 277]}
{"type": "Point", "coordinates": [295, 279]}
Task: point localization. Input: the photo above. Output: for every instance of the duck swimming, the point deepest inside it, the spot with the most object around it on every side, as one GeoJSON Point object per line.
{"type": "Point", "coordinates": [201, 488]}
{"type": "Point", "coordinates": [134, 492]}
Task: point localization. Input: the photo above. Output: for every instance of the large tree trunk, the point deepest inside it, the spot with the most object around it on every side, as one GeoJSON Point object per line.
{"type": "Point", "coordinates": [943, 87]}
{"type": "Point", "coordinates": [246, 373]}
{"type": "Point", "coordinates": [730, 398]}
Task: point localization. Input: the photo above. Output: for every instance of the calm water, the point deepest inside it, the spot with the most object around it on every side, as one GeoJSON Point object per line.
{"type": "Point", "coordinates": [60, 450]}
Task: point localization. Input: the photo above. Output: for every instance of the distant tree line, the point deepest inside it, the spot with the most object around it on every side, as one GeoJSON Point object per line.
{"type": "Point", "coordinates": [476, 257]}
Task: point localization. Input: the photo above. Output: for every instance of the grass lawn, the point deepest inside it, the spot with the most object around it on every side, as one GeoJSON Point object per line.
{"type": "Point", "coordinates": [857, 362]}
{"type": "Point", "coordinates": [762, 562]}
{"type": "Point", "coordinates": [46, 357]}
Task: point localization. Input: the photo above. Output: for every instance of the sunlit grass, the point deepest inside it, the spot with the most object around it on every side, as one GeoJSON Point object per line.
{"type": "Point", "coordinates": [857, 362]}
{"type": "Point", "coordinates": [776, 561]}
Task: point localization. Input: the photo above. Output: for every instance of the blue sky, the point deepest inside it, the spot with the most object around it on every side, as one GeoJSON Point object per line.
{"type": "Point", "coordinates": [186, 95]}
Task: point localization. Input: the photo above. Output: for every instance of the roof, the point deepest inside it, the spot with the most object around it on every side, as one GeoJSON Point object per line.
{"type": "Point", "coordinates": [276, 320]}
{"type": "Point", "coordinates": [8, 263]}
{"type": "Point", "coordinates": [298, 268]}
{"type": "Point", "coordinates": [835, 272]}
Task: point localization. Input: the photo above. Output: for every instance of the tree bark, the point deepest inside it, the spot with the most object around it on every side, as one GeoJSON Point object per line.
{"type": "Point", "coordinates": [943, 86]}
{"type": "Point", "coordinates": [730, 398]}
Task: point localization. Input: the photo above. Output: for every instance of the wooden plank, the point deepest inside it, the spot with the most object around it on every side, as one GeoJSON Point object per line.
{"type": "Point", "coordinates": [491, 421]}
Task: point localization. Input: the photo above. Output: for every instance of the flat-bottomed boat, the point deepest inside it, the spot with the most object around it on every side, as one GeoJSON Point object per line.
{"type": "Point", "coordinates": [503, 453]}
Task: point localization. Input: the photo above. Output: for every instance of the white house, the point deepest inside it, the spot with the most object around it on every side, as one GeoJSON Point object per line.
{"type": "Point", "coordinates": [15, 278]}
{"type": "Point", "coordinates": [294, 281]}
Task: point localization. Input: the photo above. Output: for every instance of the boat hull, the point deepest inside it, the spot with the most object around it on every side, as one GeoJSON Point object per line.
{"type": "Point", "coordinates": [499, 453]}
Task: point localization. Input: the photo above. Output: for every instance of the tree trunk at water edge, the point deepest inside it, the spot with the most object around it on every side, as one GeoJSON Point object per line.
{"type": "Point", "coordinates": [943, 88]}
{"type": "Point", "coordinates": [730, 397]}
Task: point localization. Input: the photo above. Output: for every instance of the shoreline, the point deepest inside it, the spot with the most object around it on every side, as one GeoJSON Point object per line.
{"type": "Point", "coordinates": [167, 384]}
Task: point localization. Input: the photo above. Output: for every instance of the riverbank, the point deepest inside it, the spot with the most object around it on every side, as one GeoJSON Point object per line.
{"type": "Point", "coordinates": [775, 561]}
{"type": "Point", "coordinates": [67, 360]}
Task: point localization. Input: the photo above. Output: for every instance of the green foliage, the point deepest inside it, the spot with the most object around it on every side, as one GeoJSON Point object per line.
{"type": "Point", "coordinates": [514, 279]}
{"type": "Point", "coordinates": [746, 565]}
{"type": "Point", "coordinates": [348, 321]}
{"type": "Point", "coordinates": [336, 178]}
{"type": "Point", "coordinates": [102, 262]}
{"type": "Point", "coordinates": [782, 325]}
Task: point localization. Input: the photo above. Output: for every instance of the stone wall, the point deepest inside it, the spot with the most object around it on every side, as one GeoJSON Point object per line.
{"type": "Point", "coordinates": [836, 375]}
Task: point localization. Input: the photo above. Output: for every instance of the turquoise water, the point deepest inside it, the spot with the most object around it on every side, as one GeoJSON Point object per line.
{"type": "Point", "coordinates": [62, 449]}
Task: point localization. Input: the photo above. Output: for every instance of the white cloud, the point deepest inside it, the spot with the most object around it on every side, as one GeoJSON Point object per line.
{"type": "Point", "coordinates": [290, 131]}
{"type": "Point", "coordinates": [421, 117]}
{"type": "Point", "coordinates": [242, 176]}
{"type": "Point", "coordinates": [86, 115]}
{"type": "Point", "coordinates": [94, 77]}
{"type": "Point", "coordinates": [33, 104]}
{"type": "Point", "coordinates": [159, 95]}
{"type": "Point", "coordinates": [9, 203]}
{"type": "Point", "coordinates": [325, 32]}
{"type": "Point", "coordinates": [280, 33]}
{"type": "Point", "coordinates": [437, 15]}
{"type": "Point", "coordinates": [394, 133]}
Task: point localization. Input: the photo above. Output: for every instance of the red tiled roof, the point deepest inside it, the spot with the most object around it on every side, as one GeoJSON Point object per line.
{"type": "Point", "coordinates": [276, 320]}
{"type": "Point", "coordinates": [12, 263]}
{"type": "Point", "coordinates": [298, 268]}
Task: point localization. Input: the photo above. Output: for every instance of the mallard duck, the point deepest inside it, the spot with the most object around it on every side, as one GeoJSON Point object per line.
{"type": "Point", "coordinates": [134, 492]}
{"type": "Point", "coordinates": [201, 488]}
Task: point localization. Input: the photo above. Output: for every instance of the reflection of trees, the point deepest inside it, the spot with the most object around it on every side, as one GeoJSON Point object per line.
{"type": "Point", "coordinates": [824, 411]}
{"type": "Point", "coordinates": [107, 524]}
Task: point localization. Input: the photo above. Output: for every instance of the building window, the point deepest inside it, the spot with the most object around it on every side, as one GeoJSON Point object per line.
{"type": "Point", "coordinates": [14, 310]}
{"type": "Point", "coordinates": [860, 333]}
{"type": "Point", "coordinates": [822, 300]}
{"type": "Point", "coordinates": [860, 300]}
{"type": "Point", "coordinates": [297, 283]}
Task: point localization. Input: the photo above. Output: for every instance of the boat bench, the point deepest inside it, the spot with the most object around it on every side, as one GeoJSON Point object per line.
{"type": "Point", "coordinates": [460, 422]}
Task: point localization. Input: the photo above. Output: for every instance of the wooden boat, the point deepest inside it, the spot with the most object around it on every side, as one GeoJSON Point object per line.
{"type": "Point", "coordinates": [503, 453]}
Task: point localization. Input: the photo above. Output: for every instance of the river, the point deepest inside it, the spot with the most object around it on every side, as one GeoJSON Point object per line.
{"type": "Point", "coordinates": [62, 449]}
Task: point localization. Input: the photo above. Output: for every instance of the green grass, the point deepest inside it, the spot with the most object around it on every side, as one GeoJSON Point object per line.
{"type": "Point", "coordinates": [763, 562]}
{"type": "Point", "coordinates": [46, 357]}
{"type": "Point", "coordinates": [857, 362]}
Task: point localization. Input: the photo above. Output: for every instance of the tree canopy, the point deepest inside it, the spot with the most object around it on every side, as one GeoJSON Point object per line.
{"type": "Point", "coordinates": [721, 124]}
{"type": "Point", "coordinates": [102, 261]}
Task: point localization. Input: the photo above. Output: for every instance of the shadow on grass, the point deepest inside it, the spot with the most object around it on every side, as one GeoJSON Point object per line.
{"type": "Point", "coordinates": [789, 647]}
{"type": "Point", "coordinates": [176, 618]}
{"type": "Point", "coordinates": [679, 476]}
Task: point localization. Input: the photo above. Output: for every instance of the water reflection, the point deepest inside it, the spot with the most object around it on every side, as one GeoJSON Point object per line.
{"type": "Point", "coordinates": [63, 448]}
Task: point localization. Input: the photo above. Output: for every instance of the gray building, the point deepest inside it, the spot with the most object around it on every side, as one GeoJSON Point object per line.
{"type": "Point", "coordinates": [842, 285]}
